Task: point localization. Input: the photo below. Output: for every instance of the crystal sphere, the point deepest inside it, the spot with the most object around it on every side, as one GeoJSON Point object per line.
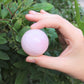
{"type": "Point", "coordinates": [34, 42]}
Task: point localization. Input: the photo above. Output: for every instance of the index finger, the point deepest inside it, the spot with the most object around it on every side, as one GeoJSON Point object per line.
{"type": "Point", "coordinates": [55, 21]}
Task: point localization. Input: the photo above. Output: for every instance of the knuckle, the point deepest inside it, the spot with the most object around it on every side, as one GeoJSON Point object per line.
{"type": "Point", "coordinates": [60, 19]}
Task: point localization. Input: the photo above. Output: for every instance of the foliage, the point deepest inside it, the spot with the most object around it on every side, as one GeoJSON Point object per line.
{"type": "Point", "coordinates": [79, 19]}
{"type": "Point", "coordinates": [13, 68]}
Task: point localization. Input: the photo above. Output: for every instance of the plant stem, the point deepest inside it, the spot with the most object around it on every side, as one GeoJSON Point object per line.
{"type": "Point", "coordinates": [17, 9]}
{"type": "Point", "coordinates": [9, 11]}
{"type": "Point", "coordinates": [4, 20]}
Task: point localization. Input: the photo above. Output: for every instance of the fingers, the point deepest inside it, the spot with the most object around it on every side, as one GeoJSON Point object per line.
{"type": "Point", "coordinates": [45, 23]}
{"type": "Point", "coordinates": [45, 19]}
{"type": "Point", "coordinates": [56, 63]}
{"type": "Point", "coordinates": [34, 12]}
{"type": "Point", "coordinates": [70, 33]}
{"type": "Point", "coordinates": [35, 16]}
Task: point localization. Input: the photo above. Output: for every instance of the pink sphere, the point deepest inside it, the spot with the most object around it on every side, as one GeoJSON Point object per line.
{"type": "Point", "coordinates": [34, 42]}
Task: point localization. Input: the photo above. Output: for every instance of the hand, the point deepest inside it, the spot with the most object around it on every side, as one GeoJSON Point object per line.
{"type": "Point", "coordinates": [71, 60]}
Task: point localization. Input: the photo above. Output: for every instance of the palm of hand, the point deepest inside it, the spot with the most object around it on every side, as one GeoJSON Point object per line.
{"type": "Point", "coordinates": [71, 60]}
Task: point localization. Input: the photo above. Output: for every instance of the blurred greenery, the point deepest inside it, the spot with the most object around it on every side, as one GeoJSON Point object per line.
{"type": "Point", "coordinates": [13, 68]}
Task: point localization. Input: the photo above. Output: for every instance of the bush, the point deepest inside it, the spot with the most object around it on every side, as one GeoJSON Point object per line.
{"type": "Point", "coordinates": [13, 68]}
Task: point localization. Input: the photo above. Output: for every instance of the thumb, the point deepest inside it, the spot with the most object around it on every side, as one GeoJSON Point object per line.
{"type": "Point", "coordinates": [56, 63]}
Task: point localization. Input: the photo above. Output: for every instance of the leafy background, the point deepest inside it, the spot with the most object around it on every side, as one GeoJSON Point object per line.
{"type": "Point", "coordinates": [13, 68]}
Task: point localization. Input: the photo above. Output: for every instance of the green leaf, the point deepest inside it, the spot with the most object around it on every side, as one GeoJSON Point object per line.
{"type": "Point", "coordinates": [81, 26]}
{"type": "Point", "coordinates": [19, 1]}
{"type": "Point", "coordinates": [18, 24]}
{"type": "Point", "coordinates": [82, 19]}
{"type": "Point", "coordinates": [4, 47]}
{"type": "Point", "coordinates": [52, 37]}
{"type": "Point", "coordinates": [20, 34]}
{"type": "Point", "coordinates": [77, 12]}
{"type": "Point", "coordinates": [2, 34]}
{"type": "Point", "coordinates": [78, 19]}
{"type": "Point", "coordinates": [4, 13]}
{"type": "Point", "coordinates": [3, 40]}
{"type": "Point", "coordinates": [27, 5]}
{"type": "Point", "coordinates": [44, 6]}
{"type": "Point", "coordinates": [0, 9]}
{"type": "Point", "coordinates": [0, 76]}
{"type": "Point", "coordinates": [21, 64]}
{"type": "Point", "coordinates": [7, 1]}
{"type": "Point", "coordinates": [4, 64]}
{"type": "Point", "coordinates": [1, 1]}
{"type": "Point", "coordinates": [43, 1]}
{"type": "Point", "coordinates": [21, 77]}
{"type": "Point", "coordinates": [3, 56]}
{"type": "Point", "coordinates": [51, 32]}
{"type": "Point", "coordinates": [21, 52]}
{"type": "Point", "coordinates": [13, 6]}
{"type": "Point", "coordinates": [5, 22]}
{"type": "Point", "coordinates": [28, 2]}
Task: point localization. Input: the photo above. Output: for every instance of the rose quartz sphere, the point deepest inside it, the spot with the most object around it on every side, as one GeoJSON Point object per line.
{"type": "Point", "coordinates": [34, 42]}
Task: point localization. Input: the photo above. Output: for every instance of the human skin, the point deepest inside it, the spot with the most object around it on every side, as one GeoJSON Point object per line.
{"type": "Point", "coordinates": [71, 60]}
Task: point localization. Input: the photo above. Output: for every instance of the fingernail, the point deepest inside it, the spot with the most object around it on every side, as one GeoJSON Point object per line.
{"type": "Point", "coordinates": [33, 12]}
{"type": "Point", "coordinates": [34, 26]}
{"type": "Point", "coordinates": [28, 15]}
{"type": "Point", "coordinates": [31, 59]}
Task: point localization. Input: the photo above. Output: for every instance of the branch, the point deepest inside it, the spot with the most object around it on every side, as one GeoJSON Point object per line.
{"type": "Point", "coordinates": [9, 11]}
{"type": "Point", "coordinates": [17, 9]}
{"type": "Point", "coordinates": [4, 20]}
